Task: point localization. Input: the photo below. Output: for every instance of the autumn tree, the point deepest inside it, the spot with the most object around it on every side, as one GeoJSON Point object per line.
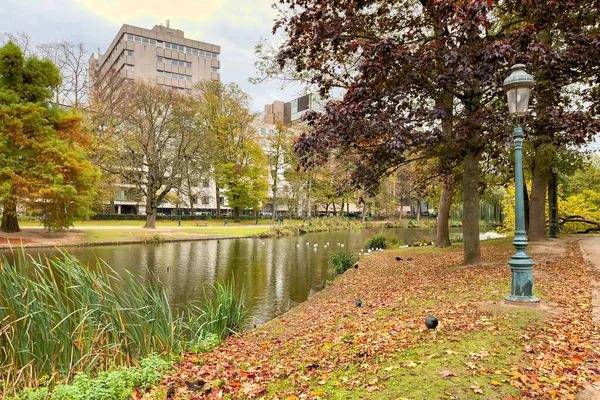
{"type": "Point", "coordinates": [238, 163]}
{"type": "Point", "coordinates": [43, 162]}
{"type": "Point", "coordinates": [147, 136]}
{"type": "Point", "coordinates": [559, 42]}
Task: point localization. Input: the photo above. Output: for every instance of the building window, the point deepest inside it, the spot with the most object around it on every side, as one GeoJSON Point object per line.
{"type": "Point", "coordinates": [159, 59]}
{"type": "Point", "coordinates": [129, 52]}
{"type": "Point", "coordinates": [215, 69]}
{"type": "Point", "coordinates": [128, 67]}
{"type": "Point", "coordinates": [204, 199]}
{"type": "Point", "coordinates": [271, 132]}
{"type": "Point", "coordinates": [194, 200]}
{"type": "Point", "coordinates": [174, 75]}
{"type": "Point", "coordinates": [263, 131]}
{"type": "Point", "coordinates": [205, 183]}
{"type": "Point", "coordinates": [221, 200]}
{"type": "Point", "coordinates": [130, 37]}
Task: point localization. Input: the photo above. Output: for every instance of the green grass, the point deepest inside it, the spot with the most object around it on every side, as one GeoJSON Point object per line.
{"type": "Point", "coordinates": [141, 235]}
{"type": "Point", "coordinates": [198, 223]}
{"type": "Point", "coordinates": [481, 360]}
{"type": "Point", "coordinates": [60, 318]}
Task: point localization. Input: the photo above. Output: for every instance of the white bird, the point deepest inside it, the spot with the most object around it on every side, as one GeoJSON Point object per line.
{"type": "Point", "coordinates": [342, 244]}
{"type": "Point", "coordinates": [316, 245]}
{"type": "Point", "coordinates": [297, 245]}
{"type": "Point", "coordinates": [307, 243]}
{"type": "Point", "coordinates": [369, 251]}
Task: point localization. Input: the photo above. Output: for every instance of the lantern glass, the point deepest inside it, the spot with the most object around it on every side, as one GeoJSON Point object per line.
{"type": "Point", "coordinates": [523, 99]}
{"type": "Point", "coordinates": [518, 88]}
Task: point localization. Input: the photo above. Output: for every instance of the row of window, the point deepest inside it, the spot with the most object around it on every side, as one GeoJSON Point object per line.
{"type": "Point", "coordinates": [175, 88]}
{"type": "Point", "coordinates": [174, 62]}
{"type": "Point", "coordinates": [175, 75]}
{"type": "Point", "coordinates": [263, 132]}
{"type": "Point", "coordinates": [195, 200]}
{"type": "Point", "coordinates": [171, 46]}
{"type": "Point", "coordinates": [127, 67]}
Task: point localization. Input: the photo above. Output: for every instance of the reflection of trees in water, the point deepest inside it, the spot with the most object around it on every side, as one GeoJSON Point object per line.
{"type": "Point", "coordinates": [276, 274]}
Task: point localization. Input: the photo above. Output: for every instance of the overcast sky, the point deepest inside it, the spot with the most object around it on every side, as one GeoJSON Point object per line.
{"type": "Point", "coordinates": [235, 25]}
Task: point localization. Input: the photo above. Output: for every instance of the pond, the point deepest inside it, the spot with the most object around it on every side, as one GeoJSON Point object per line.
{"type": "Point", "coordinates": [274, 274]}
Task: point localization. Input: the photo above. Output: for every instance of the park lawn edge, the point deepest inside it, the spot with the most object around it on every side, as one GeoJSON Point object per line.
{"type": "Point", "coordinates": [327, 348]}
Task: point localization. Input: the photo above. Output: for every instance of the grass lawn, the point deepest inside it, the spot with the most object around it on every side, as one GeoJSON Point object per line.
{"type": "Point", "coordinates": [199, 223]}
{"type": "Point", "coordinates": [138, 234]}
{"type": "Point", "coordinates": [328, 348]}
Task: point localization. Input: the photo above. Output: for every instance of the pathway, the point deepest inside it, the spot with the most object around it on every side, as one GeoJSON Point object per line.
{"type": "Point", "coordinates": [590, 247]}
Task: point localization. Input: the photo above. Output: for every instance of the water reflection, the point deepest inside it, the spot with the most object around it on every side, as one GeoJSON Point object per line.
{"type": "Point", "coordinates": [274, 274]}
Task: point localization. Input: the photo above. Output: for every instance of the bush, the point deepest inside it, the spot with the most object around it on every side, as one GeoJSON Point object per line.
{"type": "Point", "coordinates": [341, 261]}
{"type": "Point", "coordinates": [585, 204]}
{"type": "Point", "coordinates": [376, 242]}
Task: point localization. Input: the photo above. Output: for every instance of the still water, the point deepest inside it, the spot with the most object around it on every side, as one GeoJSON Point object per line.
{"type": "Point", "coordinates": [274, 274]}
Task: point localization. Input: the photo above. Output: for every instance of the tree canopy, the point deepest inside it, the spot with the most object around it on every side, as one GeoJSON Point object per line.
{"type": "Point", "coordinates": [43, 163]}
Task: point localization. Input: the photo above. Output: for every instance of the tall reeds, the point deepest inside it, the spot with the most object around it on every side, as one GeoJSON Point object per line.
{"type": "Point", "coordinates": [58, 317]}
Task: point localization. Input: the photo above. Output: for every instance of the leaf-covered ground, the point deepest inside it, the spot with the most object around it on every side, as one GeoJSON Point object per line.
{"type": "Point", "coordinates": [329, 348]}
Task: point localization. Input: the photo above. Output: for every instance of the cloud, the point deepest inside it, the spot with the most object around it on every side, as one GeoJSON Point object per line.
{"type": "Point", "coordinates": [235, 25]}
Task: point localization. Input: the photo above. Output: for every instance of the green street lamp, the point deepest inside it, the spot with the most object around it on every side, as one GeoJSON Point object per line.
{"type": "Point", "coordinates": [518, 87]}
{"type": "Point", "coordinates": [553, 224]}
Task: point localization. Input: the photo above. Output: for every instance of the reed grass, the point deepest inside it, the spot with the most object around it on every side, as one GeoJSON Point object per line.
{"type": "Point", "coordinates": [59, 318]}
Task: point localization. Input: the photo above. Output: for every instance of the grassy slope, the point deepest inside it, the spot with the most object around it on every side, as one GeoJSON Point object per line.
{"type": "Point", "coordinates": [328, 348]}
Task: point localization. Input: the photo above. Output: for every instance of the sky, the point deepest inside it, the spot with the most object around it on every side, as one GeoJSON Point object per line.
{"type": "Point", "coordinates": [235, 25]}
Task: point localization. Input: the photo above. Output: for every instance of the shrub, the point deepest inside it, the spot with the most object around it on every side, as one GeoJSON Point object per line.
{"type": "Point", "coordinates": [341, 261]}
{"type": "Point", "coordinates": [376, 242]}
{"type": "Point", "coordinates": [114, 384]}
{"type": "Point", "coordinates": [585, 204]}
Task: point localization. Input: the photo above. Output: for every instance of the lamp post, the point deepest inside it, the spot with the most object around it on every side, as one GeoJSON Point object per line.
{"type": "Point", "coordinates": [553, 217]}
{"type": "Point", "coordinates": [518, 87]}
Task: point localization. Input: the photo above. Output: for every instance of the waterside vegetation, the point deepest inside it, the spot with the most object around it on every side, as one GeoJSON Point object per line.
{"type": "Point", "coordinates": [61, 318]}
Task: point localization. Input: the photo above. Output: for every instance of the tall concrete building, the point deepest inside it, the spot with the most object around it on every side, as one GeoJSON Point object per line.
{"type": "Point", "coordinates": [164, 56]}
{"type": "Point", "coordinates": [161, 54]}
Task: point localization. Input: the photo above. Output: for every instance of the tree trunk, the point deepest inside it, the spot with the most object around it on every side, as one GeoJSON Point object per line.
{"type": "Point", "coordinates": [364, 212]}
{"type": "Point", "coordinates": [470, 219]}
{"type": "Point", "coordinates": [150, 213]}
{"type": "Point", "coordinates": [537, 205]}
{"type": "Point", "coordinates": [218, 194]}
{"type": "Point", "coordinates": [418, 210]}
{"type": "Point", "coordinates": [334, 210]}
{"type": "Point", "coordinates": [342, 208]}
{"type": "Point", "coordinates": [443, 233]}
{"type": "Point", "coordinates": [10, 223]}
{"type": "Point", "coordinates": [236, 214]}
{"type": "Point", "coordinates": [275, 202]}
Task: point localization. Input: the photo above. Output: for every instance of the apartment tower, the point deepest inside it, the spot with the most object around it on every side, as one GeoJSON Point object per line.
{"type": "Point", "coordinates": [161, 54]}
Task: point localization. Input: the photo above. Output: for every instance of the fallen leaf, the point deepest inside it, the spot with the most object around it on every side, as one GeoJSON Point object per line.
{"type": "Point", "coordinates": [447, 372]}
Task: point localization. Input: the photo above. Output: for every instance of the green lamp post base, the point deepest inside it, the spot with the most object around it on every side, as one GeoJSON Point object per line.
{"type": "Point", "coordinates": [522, 278]}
